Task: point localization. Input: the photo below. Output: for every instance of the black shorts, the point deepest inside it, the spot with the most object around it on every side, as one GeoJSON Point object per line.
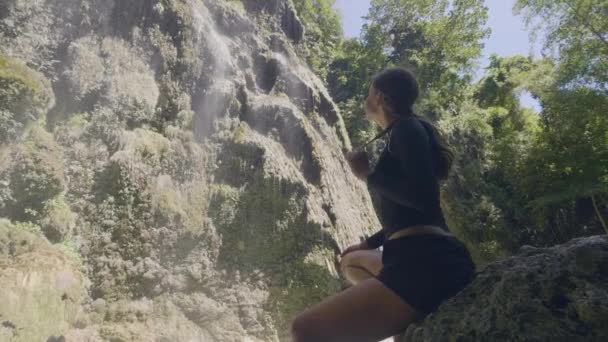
{"type": "Point", "coordinates": [427, 269]}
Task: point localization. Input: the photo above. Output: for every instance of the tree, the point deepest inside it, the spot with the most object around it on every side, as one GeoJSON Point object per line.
{"type": "Point", "coordinates": [348, 80]}
{"type": "Point", "coordinates": [576, 35]}
{"type": "Point", "coordinates": [439, 40]}
{"type": "Point", "coordinates": [514, 130]}
{"type": "Point", "coordinates": [323, 32]}
{"type": "Point", "coordinates": [568, 165]}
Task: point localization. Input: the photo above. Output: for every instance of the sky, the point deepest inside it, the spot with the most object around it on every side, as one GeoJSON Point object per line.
{"type": "Point", "coordinates": [508, 36]}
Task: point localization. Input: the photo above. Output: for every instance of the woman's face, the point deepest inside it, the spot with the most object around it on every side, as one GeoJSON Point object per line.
{"type": "Point", "coordinates": [373, 104]}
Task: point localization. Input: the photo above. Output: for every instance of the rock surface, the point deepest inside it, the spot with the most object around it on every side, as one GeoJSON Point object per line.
{"type": "Point", "coordinates": [187, 156]}
{"type": "Point", "coordinates": [42, 286]}
{"type": "Point", "coordinates": [539, 294]}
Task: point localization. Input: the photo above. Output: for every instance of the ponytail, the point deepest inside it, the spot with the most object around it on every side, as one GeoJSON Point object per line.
{"type": "Point", "coordinates": [443, 157]}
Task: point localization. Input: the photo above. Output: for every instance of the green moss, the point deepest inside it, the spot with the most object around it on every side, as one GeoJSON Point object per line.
{"type": "Point", "coordinates": [147, 146]}
{"type": "Point", "coordinates": [239, 6]}
{"type": "Point", "coordinates": [34, 176]}
{"type": "Point", "coordinates": [10, 69]}
{"type": "Point", "coordinates": [178, 206]}
{"type": "Point", "coordinates": [118, 183]}
{"type": "Point", "coordinates": [24, 97]}
{"type": "Point", "coordinates": [196, 206]}
{"type": "Point", "coordinates": [224, 202]}
{"type": "Point", "coordinates": [299, 285]}
{"type": "Point", "coordinates": [42, 289]}
{"type": "Point", "coordinates": [70, 249]}
{"type": "Point", "coordinates": [592, 314]}
{"type": "Point", "coordinates": [263, 222]}
{"type": "Point", "coordinates": [265, 212]}
{"type": "Point", "coordinates": [24, 227]}
{"type": "Point", "coordinates": [240, 132]}
{"type": "Point", "coordinates": [168, 202]}
{"type": "Point", "coordinates": [58, 220]}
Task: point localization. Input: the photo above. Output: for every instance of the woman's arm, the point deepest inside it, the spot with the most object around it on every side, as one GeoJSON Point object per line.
{"type": "Point", "coordinates": [412, 185]}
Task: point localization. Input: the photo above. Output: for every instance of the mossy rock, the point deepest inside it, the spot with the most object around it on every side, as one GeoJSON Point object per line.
{"type": "Point", "coordinates": [42, 287]}
{"type": "Point", "coordinates": [254, 220]}
{"type": "Point", "coordinates": [179, 206]}
{"type": "Point", "coordinates": [59, 220]}
{"type": "Point", "coordinates": [108, 73]}
{"type": "Point", "coordinates": [538, 294]}
{"type": "Point", "coordinates": [34, 175]}
{"type": "Point", "coordinates": [265, 226]}
{"type": "Point", "coordinates": [301, 284]}
{"type": "Point", "coordinates": [25, 96]}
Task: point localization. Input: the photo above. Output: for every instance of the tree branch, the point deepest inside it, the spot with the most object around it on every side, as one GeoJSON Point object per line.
{"type": "Point", "coordinates": [586, 24]}
{"type": "Point", "coordinates": [599, 214]}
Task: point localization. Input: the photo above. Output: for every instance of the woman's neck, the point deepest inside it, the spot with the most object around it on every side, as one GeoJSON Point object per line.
{"type": "Point", "coordinates": [386, 120]}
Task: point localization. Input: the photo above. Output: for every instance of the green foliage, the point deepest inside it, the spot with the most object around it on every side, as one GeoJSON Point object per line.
{"type": "Point", "coordinates": [24, 97]}
{"type": "Point", "coordinates": [239, 6]}
{"type": "Point", "coordinates": [22, 226]}
{"type": "Point", "coordinates": [514, 129]}
{"type": "Point", "coordinates": [569, 160]}
{"type": "Point", "coordinates": [34, 175]}
{"type": "Point", "coordinates": [563, 182]}
{"type": "Point", "coordinates": [348, 81]}
{"type": "Point", "coordinates": [575, 31]}
{"type": "Point", "coordinates": [545, 172]}
{"type": "Point", "coordinates": [439, 40]}
{"type": "Point", "coordinates": [470, 211]}
{"type": "Point", "coordinates": [323, 32]}
{"type": "Point", "coordinates": [70, 249]}
{"type": "Point", "coordinates": [501, 80]}
{"type": "Point", "coordinates": [58, 220]}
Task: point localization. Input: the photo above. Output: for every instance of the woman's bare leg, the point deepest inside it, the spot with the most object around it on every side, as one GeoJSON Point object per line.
{"type": "Point", "coordinates": [361, 265]}
{"type": "Point", "coordinates": [366, 312]}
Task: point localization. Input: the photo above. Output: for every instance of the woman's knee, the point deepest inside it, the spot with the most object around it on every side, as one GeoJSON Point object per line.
{"type": "Point", "coordinates": [346, 261]}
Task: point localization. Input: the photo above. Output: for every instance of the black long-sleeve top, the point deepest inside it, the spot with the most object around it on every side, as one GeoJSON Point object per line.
{"type": "Point", "coordinates": [405, 181]}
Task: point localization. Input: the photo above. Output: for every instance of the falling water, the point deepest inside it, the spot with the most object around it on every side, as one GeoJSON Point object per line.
{"type": "Point", "coordinates": [213, 102]}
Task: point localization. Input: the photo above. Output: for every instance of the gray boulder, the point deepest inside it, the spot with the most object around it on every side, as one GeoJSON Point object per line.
{"type": "Point", "coordinates": [539, 294]}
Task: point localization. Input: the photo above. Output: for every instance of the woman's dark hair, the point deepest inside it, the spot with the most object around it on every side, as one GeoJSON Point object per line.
{"type": "Point", "coordinates": [399, 89]}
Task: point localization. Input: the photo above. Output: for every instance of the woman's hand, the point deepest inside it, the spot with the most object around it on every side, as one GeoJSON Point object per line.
{"type": "Point", "coordinates": [359, 164]}
{"type": "Point", "coordinates": [356, 247]}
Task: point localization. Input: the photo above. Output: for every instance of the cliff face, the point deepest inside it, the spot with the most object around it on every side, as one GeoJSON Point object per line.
{"type": "Point", "coordinates": [184, 164]}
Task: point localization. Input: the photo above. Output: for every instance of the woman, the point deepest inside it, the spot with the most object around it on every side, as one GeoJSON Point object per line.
{"type": "Point", "coordinates": [422, 264]}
